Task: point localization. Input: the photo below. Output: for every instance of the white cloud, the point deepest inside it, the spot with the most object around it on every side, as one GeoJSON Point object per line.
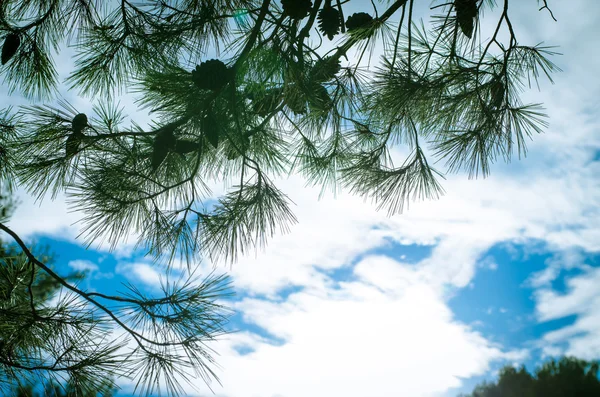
{"type": "Point", "coordinates": [83, 265]}
{"type": "Point", "coordinates": [91, 268]}
{"type": "Point", "coordinates": [543, 277]}
{"type": "Point", "coordinates": [43, 217]}
{"type": "Point", "coordinates": [387, 333]}
{"type": "Point", "coordinates": [140, 273]}
{"type": "Point", "coordinates": [552, 351]}
{"type": "Point", "coordinates": [566, 259]}
{"type": "Point", "coordinates": [582, 299]}
{"type": "Point", "coordinates": [364, 343]}
{"type": "Point", "coordinates": [582, 290]}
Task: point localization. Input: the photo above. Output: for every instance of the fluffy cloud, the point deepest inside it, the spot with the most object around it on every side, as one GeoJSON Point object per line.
{"type": "Point", "coordinates": [83, 265]}
{"type": "Point", "coordinates": [387, 333]}
{"type": "Point", "coordinates": [359, 341]}
{"type": "Point", "coordinates": [53, 218]}
{"type": "Point", "coordinates": [138, 272]}
{"type": "Point", "coordinates": [582, 299]}
{"type": "Point", "coordinates": [566, 259]}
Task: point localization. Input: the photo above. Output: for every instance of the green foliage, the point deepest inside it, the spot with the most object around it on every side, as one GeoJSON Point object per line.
{"type": "Point", "coordinates": [31, 325]}
{"type": "Point", "coordinates": [74, 343]}
{"type": "Point", "coordinates": [271, 104]}
{"type": "Point", "coordinates": [53, 389]}
{"type": "Point", "coordinates": [52, 329]}
{"type": "Point", "coordinates": [555, 378]}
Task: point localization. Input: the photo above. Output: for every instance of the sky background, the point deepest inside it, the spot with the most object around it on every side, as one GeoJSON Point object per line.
{"type": "Point", "coordinates": [353, 303]}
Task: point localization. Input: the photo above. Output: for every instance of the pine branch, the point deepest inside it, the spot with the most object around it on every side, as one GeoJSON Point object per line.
{"type": "Point", "coordinates": [187, 312]}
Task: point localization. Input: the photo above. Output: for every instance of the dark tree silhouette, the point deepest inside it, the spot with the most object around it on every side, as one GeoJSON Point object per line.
{"type": "Point", "coordinates": [53, 389]}
{"type": "Point", "coordinates": [566, 377]}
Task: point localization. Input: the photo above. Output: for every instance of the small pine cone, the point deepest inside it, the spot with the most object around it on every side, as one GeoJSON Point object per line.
{"type": "Point", "coordinates": [358, 20]}
{"type": "Point", "coordinates": [329, 21]}
{"type": "Point", "coordinates": [296, 9]}
{"type": "Point", "coordinates": [363, 130]}
{"type": "Point", "coordinates": [466, 12]}
{"type": "Point", "coordinates": [79, 122]}
{"type": "Point", "coordinates": [10, 47]}
{"type": "Point", "coordinates": [497, 93]}
{"type": "Point", "coordinates": [211, 75]}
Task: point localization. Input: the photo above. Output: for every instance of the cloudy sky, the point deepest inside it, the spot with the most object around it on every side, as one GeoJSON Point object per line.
{"type": "Point", "coordinates": [427, 303]}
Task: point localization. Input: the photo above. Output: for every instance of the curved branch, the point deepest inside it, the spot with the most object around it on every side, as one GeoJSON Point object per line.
{"type": "Point", "coordinates": [136, 335]}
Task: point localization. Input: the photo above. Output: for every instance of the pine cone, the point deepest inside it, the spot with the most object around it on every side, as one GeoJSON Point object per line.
{"type": "Point", "coordinates": [497, 93]}
{"type": "Point", "coordinates": [363, 130]}
{"type": "Point", "coordinates": [325, 69]}
{"type": "Point", "coordinates": [358, 20]}
{"type": "Point", "coordinates": [329, 21]}
{"type": "Point", "coordinates": [79, 122]}
{"type": "Point", "coordinates": [466, 11]}
{"type": "Point", "coordinates": [164, 142]}
{"type": "Point", "coordinates": [10, 47]}
{"type": "Point", "coordinates": [211, 75]}
{"type": "Point", "coordinates": [296, 9]}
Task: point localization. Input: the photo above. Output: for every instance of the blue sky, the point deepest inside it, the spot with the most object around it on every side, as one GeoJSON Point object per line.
{"type": "Point", "coordinates": [427, 303]}
{"type": "Point", "coordinates": [499, 301]}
